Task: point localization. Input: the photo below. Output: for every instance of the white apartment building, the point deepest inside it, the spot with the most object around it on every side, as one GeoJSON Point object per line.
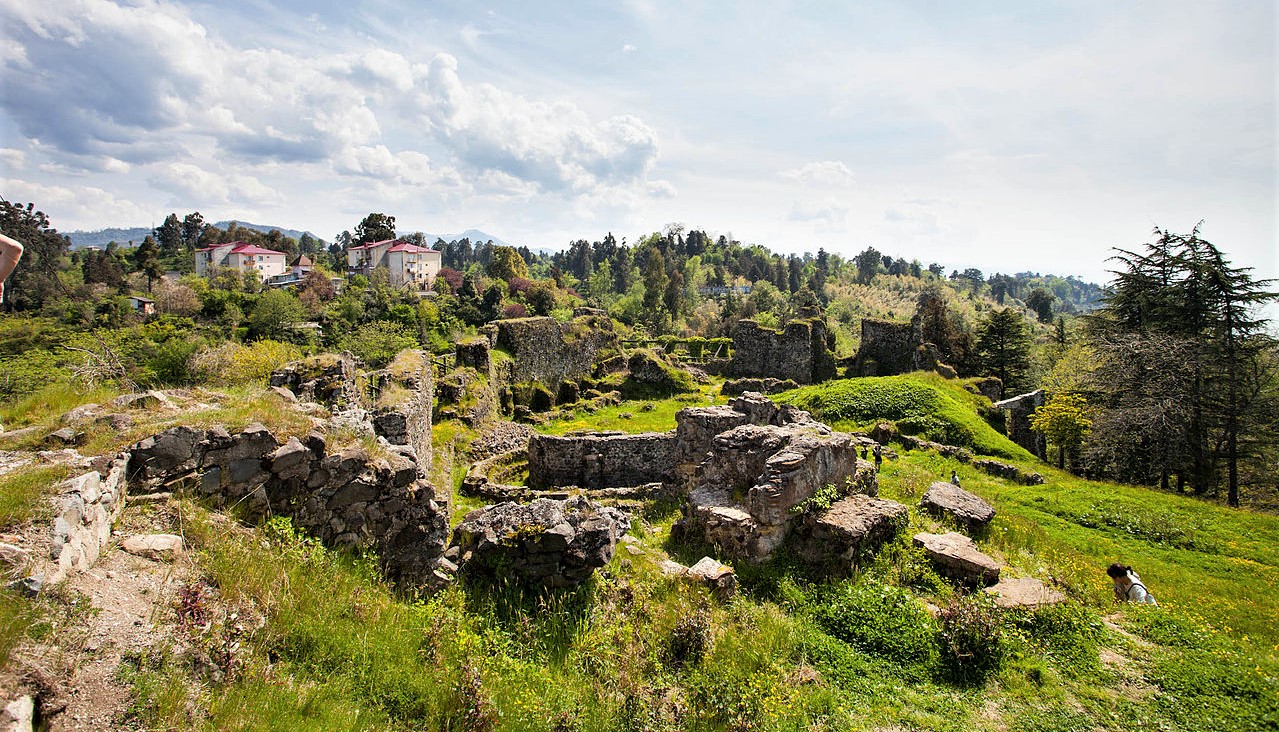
{"type": "Point", "coordinates": [409, 265]}
{"type": "Point", "coordinates": [242, 256]}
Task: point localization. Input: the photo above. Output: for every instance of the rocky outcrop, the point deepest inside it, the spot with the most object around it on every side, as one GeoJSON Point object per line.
{"type": "Point", "coordinates": [1024, 592]}
{"type": "Point", "coordinates": [547, 351]}
{"type": "Point", "coordinates": [850, 528]}
{"type": "Point", "coordinates": [961, 454]}
{"type": "Point", "coordinates": [545, 543]}
{"type": "Point", "coordinates": [720, 578]}
{"type": "Point", "coordinates": [887, 347]}
{"type": "Point", "coordinates": [748, 487]}
{"type": "Point", "coordinates": [951, 500]}
{"type": "Point", "coordinates": [326, 379]}
{"type": "Point", "coordinates": [650, 373]}
{"type": "Point", "coordinates": [956, 556]}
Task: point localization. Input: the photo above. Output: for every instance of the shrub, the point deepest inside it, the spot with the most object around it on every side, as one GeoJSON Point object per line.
{"type": "Point", "coordinates": [881, 620]}
{"type": "Point", "coordinates": [377, 343]}
{"type": "Point", "coordinates": [688, 641]}
{"type": "Point", "coordinates": [971, 638]}
{"type": "Point", "coordinates": [232, 363]}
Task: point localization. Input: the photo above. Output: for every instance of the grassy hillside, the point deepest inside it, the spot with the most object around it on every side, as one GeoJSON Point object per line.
{"type": "Point", "coordinates": [921, 403]}
{"type": "Point", "coordinates": [277, 632]}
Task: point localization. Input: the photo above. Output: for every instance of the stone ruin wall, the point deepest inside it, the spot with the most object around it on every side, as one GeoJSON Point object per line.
{"type": "Point", "coordinates": [798, 352]}
{"type": "Point", "coordinates": [887, 348]}
{"type": "Point", "coordinates": [345, 498]}
{"type": "Point", "coordinates": [1020, 408]}
{"type": "Point", "coordinates": [601, 460]}
{"type": "Point", "coordinates": [548, 351]}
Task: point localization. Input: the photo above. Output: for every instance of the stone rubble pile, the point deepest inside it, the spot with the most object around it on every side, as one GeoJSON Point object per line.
{"type": "Point", "coordinates": [546, 543]}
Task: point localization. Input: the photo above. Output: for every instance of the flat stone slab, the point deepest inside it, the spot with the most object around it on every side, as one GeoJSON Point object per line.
{"type": "Point", "coordinates": [854, 524]}
{"type": "Point", "coordinates": [1024, 592]}
{"type": "Point", "coordinates": [154, 546]}
{"type": "Point", "coordinates": [956, 556]}
{"type": "Point", "coordinates": [950, 499]}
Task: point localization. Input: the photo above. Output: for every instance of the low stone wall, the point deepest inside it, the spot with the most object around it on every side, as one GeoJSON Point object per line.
{"type": "Point", "coordinates": [600, 460]}
{"type": "Point", "coordinates": [1009, 472]}
{"type": "Point", "coordinates": [346, 498]}
{"type": "Point", "coordinates": [84, 512]}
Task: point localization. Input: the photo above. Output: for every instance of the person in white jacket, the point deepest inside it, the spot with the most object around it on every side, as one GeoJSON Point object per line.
{"type": "Point", "coordinates": [1128, 585]}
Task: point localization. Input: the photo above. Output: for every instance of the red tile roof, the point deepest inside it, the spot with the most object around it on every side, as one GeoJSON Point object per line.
{"type": "Point", "coordinates": [372, 244]}
{"type": "Point", "coordinates": [240, 247]}
{"type": "Point", "coordinates": [407, 247]}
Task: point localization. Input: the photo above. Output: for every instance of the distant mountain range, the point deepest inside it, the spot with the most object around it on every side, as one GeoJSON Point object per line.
{"type": "Point", "coordinates": [100, 238]}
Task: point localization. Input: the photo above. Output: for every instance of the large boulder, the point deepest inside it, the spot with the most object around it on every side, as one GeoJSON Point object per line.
{"type": "Point", "coordinates": [546, 543]}
{"type": "Point", "coordinates": [956, 556]}
{"type": "Point", "coordinates": [948, 499]}
{"type": "Point", "coordinates": [848, 528]}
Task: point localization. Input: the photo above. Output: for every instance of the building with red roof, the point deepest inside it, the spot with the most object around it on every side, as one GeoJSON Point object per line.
{"type": "Point", "coordinates": [241, 255]}
{"type": "Point", "coordinates": [408, 265]}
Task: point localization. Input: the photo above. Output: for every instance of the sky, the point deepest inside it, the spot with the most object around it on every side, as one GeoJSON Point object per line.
{"type": "Point", "coordinates": [1008, 136]}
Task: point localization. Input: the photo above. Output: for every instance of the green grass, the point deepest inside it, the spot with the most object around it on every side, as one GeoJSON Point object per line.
{"type": "Point", "coordinates": [640, 416]}
{"type": "Point", "coordinates": [22, 491]}
{"type": "Point", "coordinates": [922, 404]}
{"type": "Point", "coordinates": [633, 649]}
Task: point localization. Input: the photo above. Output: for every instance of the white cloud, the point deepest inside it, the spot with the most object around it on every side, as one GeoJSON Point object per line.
{"type": "Point", "coordinates": [828, 212]}
{"type": "Point", "coordinates": [554, 144]}
{"type": "Point", "coordinates": [12, 159]}
{"type": "Point", "coordinates": [77, 207]}
{"type": "Point", "coordinates": [825, 172]}
{"type": "Point", "coordinates": [197, 187]}
{"type": "Point", "coordinates": [629, 48]}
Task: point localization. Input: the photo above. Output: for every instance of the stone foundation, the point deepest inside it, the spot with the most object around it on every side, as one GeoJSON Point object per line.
{"type": "Point", "coordinates": [600, 460]}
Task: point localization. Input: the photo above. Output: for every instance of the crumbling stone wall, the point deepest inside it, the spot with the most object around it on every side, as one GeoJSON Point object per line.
{"type": "Point", "coordinates": [346, 498]}
{"type": "Point", "coordinates": [887, 348]}
{"type": "Point", "coordinates": [799, 352]}
{"type": "Point", "coordinates": [600, 460]}
{"type": "Point", "coordinates": [547, 351]}
{"type": "Point", "coordinates": [1020, 408]}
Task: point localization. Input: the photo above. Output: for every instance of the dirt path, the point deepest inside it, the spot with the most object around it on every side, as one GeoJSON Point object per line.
{"type": "Point", "coordinates": [131, 601]}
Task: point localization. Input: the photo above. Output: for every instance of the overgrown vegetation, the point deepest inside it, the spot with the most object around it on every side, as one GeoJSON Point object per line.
{"type": "Point", "coordinates": [918, 404]}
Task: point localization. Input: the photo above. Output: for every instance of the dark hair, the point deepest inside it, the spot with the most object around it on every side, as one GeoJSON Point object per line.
{"type": "Point", "coordinates": [1118, 570]}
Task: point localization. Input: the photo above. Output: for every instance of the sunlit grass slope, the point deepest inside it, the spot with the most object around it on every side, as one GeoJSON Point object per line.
{"type": "Point", "coordinates": [922, 404]}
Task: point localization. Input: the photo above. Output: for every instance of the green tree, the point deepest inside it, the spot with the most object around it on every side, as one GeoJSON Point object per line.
{"type": "Point", "coordinates": [507, 264]}
{"type": "Point", "coordinates": [192, 228]}
{"type": "Point", "coordinates": [146, 259]}
{"type": "Point", "coordinates": [1180, 331]}
{"type": "Point", "coordinates": [1063, 420]}
{"type": "Point", "coordinates": [868, 263]}
{"type": "Point", "coordinates": [1003, 348]}
{"type": "Point", "coordinates": [378, 342]}
{"type": "Point", "coordinates": [275, 314]}
{"type": "Point", "coordinates": [655, 280]}
{"type": "Point", "coordinates": [35, 281]}
{"type": "Point", "coordinates": [1041, 301]}
{"type": "Point", "coordinates": [375, 227]}
{"type": "Point", "coordinates": [169, 235]}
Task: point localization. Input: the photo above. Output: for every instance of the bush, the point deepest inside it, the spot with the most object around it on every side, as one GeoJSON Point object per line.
{"type": "Point", "coordinates": [971, 638]}
{"type": "Point", "coordinates": [883, 621]}
{"type": "Point", "coordinates": [377, 343]}
{"type": "Point", "coordinates": [232, 363]}
{"type": "Point", "coordinates": [689, 640]}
